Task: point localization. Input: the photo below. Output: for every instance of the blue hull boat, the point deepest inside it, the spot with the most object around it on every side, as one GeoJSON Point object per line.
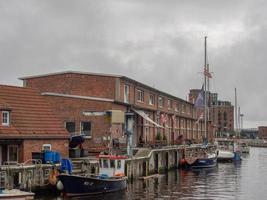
{"type": "Point", "coordinates": [204, 163]}
{"type": "Point", "coordinates": [85, 186]}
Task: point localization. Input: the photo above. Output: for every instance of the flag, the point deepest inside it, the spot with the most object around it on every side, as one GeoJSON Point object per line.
{"type": "Point", "coordinates": [201, 116]}
{"type": "Point", "coordinates": [200, 98]}
{"type": "Point", "coordinates": [207, 73]}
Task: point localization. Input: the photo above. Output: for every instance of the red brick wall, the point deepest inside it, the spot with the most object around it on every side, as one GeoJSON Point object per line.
{"type": "Point", "coordinates": [29, 146]}
{"type": "Point", "coordinates": [70, 109]}
{"type": "Point", "coordinates": [75, 84]}
{"type": "Point", "coordinates": [262, 132]}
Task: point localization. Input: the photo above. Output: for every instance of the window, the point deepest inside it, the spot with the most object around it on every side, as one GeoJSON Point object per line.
{"type": "Point", "coordinates": [112, 163]}
{"type": "Point", "coordinates": [70, 126]}
{"type": "Point", "coordinates": [86, 128]}
{"type": "Point", "coordinates": [151, 99]}
{"type": "Point", "coordinates": [183, 108]}
{"type": "Point", "coordinates": [118, 164]}
{"type": "Point", "coordinates": [161, 102]}
{"type": "Point", "coordinates": [12, 153]}
{"type": "Point", "coordinates": [140, 95]}
{"type": "Point", "coordinates": [105, 163]}
{"type": "Point", "coordinates": [169, 104]}
{"type": "Point", "coordinates": [5, 118]}
{"type": "Point", "coordinates": [176, 107]}
{"type": "Point", "coordinates": [126, 93]}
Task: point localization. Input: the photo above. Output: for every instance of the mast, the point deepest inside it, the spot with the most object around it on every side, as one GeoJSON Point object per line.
{"type": "Point", "coordinates": [236, 118]}
{"type": "Point", "coordinates": [205, 88]}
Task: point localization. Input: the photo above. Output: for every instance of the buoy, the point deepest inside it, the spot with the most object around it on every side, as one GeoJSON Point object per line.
{"type": "Point", "coordinates": [60, 185]}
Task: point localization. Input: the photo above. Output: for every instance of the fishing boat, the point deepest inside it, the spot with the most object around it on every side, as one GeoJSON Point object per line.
{"type": "Point", "coordinates": [111, 178]}
{"type": "Point", "coordinates": [202, 157]}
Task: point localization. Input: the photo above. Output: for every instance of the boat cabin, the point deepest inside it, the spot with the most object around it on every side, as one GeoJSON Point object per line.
{"type": "Point", "coordinates": [111, 165]}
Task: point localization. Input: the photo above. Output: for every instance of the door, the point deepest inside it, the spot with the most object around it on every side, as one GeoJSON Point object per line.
{"type": "Point", "coordinates": [12, 153]}
{"type": "Point", "coordinates": [1, 155]}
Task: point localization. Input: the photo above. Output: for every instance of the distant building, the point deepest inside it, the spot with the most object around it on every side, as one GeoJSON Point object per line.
{"type": "Point", "coordinates": [251, 133]}
{"type": "Point", "coordinates": [262, 132]}
{"type": "Point", "coordinates": [221, 113]}
{"type": "Point", "coordinates": [157, 115]}
{"type": "Point", "coordinates": [28, 124]}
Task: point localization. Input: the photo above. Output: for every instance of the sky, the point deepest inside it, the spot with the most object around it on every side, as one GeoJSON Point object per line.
{"type": "Point", "coordinates": [157, 42]}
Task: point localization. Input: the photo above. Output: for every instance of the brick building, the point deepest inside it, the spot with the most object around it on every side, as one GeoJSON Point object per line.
{"type": "Point", "coordinates": [155, 112]}
{"type": "Point", "coordinates": [262, 132]}
{"type": "Point", "coordinates": [28, 123]}
{"type": "Point", "coordinates": [221, 113]}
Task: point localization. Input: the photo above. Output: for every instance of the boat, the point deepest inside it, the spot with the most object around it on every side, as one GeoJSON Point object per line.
{"type": "Point", "coordinates": [111, 178]}
{"type": "Point", "coordinates": [202, 157]}
{"type": "Point", "coordinates": [16, 194]}
{"type": "Point", "coordinates": [228, 150]}
{"type": "Point", "coordinates": [244, 147]}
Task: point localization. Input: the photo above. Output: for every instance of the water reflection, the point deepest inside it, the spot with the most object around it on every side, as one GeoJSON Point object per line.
{"type": "Point", "coordinates": [244, 181]}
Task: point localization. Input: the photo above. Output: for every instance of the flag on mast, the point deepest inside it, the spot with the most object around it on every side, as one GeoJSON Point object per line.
{"type": "Point", "coordinates": [201, 116]}
{"type": "Point", "coordinates": [200, 98]}
{"type": "Point", "coordinates": [207, 73]}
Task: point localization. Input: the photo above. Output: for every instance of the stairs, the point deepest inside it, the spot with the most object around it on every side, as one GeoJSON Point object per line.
{"type": "Point", "coordinates": [143, 152]}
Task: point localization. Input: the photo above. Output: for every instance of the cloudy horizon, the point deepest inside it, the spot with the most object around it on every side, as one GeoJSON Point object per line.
{"type": "Point", "coordinates": [159, 43]}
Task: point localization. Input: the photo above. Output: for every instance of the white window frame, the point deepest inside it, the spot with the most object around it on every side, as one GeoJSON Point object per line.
{"type": "Point", "coordinates": [176, 107]}
{"type": "Point", "coordinates": [151, 99]}
{"type": "Point", "coordinates": [8, 157]}
{"type": "Point", "coordinates": [160, 101]}
{"type": "Point", "coordinates": [86, 136]}
{"type": "Point", "coordinates": [126, 93]}
{"type": "Point", "coordinates": [169, 102]}
{"type": "Point", "coordinates": [140, 95]}
{"type": "Point", "coordinates": [7, 118]}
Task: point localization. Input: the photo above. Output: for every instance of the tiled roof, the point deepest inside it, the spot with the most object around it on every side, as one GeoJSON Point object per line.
{"type": "Point", "coordinates": [30, 113]}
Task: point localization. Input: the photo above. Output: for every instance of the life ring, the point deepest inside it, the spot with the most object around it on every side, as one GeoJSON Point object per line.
{"type": "Point", "coordinates": [52, 179]}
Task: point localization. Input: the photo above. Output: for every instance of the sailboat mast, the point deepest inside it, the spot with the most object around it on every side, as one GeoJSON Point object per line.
{"type": "Point", "coordinates": [236, 118]}
{"type": "Point", "coordinates": [205, 88]}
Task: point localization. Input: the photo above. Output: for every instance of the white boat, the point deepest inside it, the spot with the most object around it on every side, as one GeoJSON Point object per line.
{"type": "Point", "coordinates": [225, 155]}
{"type": "Point", "coordinates": [244, 147]}
{"type": "Point", "coordinates": [228, 150]}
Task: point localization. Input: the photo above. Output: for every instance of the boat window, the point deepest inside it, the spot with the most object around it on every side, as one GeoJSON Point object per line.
{"type": "Point", "coordinates": [118, 164]}
{"type": "Point", "coordinates": [105, 163]}
{"type": "Point", "coordinates": [112, 163]}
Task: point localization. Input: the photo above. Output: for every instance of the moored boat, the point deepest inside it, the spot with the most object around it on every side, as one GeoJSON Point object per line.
{"type": "Point", "coordinates": [111, 178]}
{"type": "Point", "coordinates": [203, 157]}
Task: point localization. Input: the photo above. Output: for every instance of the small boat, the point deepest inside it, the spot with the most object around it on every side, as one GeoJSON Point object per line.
{"type": "Point", "coordinates": [228, 150]}
{"type": "Point", "coordinates": [244, 147]}
{"type": "Point", "coordinates": [204, 157]}
{"type": "Point", "coordinates": [111, 178]}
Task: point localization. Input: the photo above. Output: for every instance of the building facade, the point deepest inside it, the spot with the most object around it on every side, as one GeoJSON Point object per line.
{"type": "Point", "coordinates": [157, 115]}
{"type": "Point", "coordinates": [28, 124]}
{"type": "Point", "coordinates": [262, 132]}
{"type": "Point", "coordinates": [221, 113]}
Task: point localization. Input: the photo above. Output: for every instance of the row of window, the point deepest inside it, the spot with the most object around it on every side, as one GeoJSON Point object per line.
{"type": "Point", "coordinates": [152, 100]}
{"type": "Point", "coordinates": [85, 128]}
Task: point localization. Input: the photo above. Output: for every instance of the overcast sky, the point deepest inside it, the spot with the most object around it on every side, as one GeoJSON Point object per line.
{"type": "Point", "coordinates": [157, 42]}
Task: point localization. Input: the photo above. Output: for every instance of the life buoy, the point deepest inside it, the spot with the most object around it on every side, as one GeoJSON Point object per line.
{"type": "Point", "coordinates": [52, 179]}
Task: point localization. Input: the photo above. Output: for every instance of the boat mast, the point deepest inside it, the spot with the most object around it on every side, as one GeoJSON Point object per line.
{"type": "Point", "coordinates": [205, 88]}
{"type": "Point", "coordinates": [236, 118]}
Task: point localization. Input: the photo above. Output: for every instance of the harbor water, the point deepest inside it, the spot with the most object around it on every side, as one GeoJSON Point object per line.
{"type": "Point", "coordinates": [245, 181]}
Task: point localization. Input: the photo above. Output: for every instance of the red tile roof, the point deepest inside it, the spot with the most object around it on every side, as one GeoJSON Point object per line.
{"type": "Point", "coordinates": [30, 114]}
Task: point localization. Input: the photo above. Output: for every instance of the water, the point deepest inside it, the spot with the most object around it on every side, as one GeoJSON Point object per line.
{"type": "Point", "coordinates": [244, 181]}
